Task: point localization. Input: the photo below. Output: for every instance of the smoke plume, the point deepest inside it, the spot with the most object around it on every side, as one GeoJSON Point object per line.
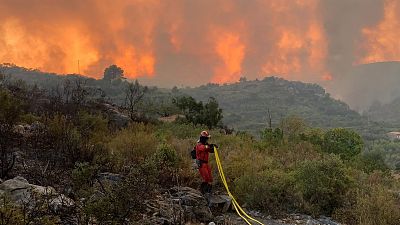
{"type": "Point", "coordinates": [182, 42]}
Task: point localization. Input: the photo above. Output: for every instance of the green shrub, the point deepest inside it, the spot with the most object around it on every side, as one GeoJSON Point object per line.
{"type": "Point", "coordinates": [92, 127]}
{"type": "Point", "coordinates": [323, 185]}
{"type": "Point", "coordinates": [371, 202]}
{"type": "Point", "coordinates": [272, 136]}
{"type": "Point", "coordinates": [123, 201]}
{"type": "Point", "coordinates": [377, 206]}
{"type": "Point", "coordinates": [166, 156]}
{"type": "Point", "coordinates": [292, 127]}
{"type": "Point", "coordinates": [370, 161]}
{"type": "Point", "coordinates": [271, 191]}
{"type": "Point", "coordinates": [132, 145]}
{"type": "Point", "coordinates": [66, 140]}
{"type": "Point", "coordinates": [343, 142]}
{"type": "Point", "coordinates": [82, 178]}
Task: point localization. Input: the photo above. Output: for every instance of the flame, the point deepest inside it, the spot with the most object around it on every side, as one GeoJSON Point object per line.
{"type": "Point", "coordinates": [231, 50]}
{"type": "Point", "coordinates": [57, 44]}
{"type": "Point", "coordinates": [297, 49]}
{"type": "Point", "coordinates": [382, 41]}
{"type": "Point", "coordinates": [21, 48]}
{"type": "Point", "coordinates": [327, 76]}
{"type": "Point", "coordinates": [219, 39]}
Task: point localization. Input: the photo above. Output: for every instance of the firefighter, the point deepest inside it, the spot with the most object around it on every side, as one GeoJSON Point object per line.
{"type": "Point", "coordinates": [203, 150]}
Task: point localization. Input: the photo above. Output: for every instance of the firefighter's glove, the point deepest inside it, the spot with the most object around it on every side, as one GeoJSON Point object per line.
{"type": "Point", "coordinates": [213, 145]}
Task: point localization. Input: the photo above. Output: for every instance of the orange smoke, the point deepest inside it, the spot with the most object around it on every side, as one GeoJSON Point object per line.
{"type": "Point", "coordinates": [96, 39]}
{"type": "Point", "coordinates": [230, 49]}
{"type": "Point", "coordinates": [298, 49]}
{"type": "Point", "coordinates": [382, 41]}
{"type": "Point", "coordinates": [178, 40]}
{"type": "Point", "coordinates": [57, 55]}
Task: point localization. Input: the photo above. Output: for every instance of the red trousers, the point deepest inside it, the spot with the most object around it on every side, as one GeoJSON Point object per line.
{"type": "Point", "coordinates": [205, 172]}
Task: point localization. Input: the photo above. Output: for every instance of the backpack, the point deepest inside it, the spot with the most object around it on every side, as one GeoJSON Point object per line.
{"type": "Point", "coordinates": [193, 153]}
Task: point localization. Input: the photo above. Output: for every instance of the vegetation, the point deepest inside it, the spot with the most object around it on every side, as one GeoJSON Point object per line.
{"type": "Point", "coordinates": [71, 144]}
{"type": "Point", "coordinates": [343, 142]}
{"type": "Point", "coordinates": [113, 72]}
{"type": "Point", "coordinates": [208, 114]}
{"type": "Point", "coordinates": [246, 104]}
{"type": "Point", "coordinates": [388, 113]}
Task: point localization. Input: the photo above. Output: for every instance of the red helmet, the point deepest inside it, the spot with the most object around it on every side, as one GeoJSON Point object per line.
{"type": "Point", "coordinates": [205, 133]}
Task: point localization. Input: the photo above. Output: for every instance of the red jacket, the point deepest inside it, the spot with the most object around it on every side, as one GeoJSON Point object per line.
{"type": "Point", "coordinates": [202, 152]}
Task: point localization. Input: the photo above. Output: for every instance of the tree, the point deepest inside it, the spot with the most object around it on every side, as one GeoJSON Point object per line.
{"type": "Point", "coordinates": [190, 108]}
{"type": "Point", "coordinates": [208, 114]}
{"type": "Point", "coordinates": [212, 113]}
{"type": "Point", "coordinates": [10, 111]}
{"type": "Point", "coordinates": [292, 127]}
{"type": "Point", "coordinates": [272, 136]}
{"type": "Point", "coordinates": [323, 184]}
{"type": "Point", "coordinates": [133, 96]}
{"type": "Point", "coordinates": [343, 142]}
{"type": "Point", "coordinates": [113, 72]}
{"type": "Point", "coordinates": [242, 79]}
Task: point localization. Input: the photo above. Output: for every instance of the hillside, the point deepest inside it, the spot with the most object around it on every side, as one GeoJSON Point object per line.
{"type": "Point", "coordinates": [388, 113]}
{"type": "Point", "coordinates": [70, 160]}
{"type": "Point", "coordinates": [362, 85]}
{"type": "Point", "coordinates": [246, 103]}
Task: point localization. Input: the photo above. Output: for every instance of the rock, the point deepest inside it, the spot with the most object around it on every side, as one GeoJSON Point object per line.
{"type": "Point", "coordinates": [220, 201]}
{"type": "Point", "coordinates": [116, 118]}
{"type": "Point", "coordinates": [193, 203]}
{"type": "Point", "coordinates": [178, 206]}
{"type": "Point", "coordinates": [21, 192]}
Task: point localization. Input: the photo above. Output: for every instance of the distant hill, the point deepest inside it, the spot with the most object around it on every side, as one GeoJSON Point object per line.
{"type": "Point", "coordinates": [246, 103]}
{"type": "Point", "coordinates": [388, 113]}
{"type": "Point", "coordinates": [365, 84]}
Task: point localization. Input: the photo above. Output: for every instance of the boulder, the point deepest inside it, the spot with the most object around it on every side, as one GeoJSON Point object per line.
{"type": "Point", "coordinates": [21, 193]}
{"type": "Point", "coordinates": [116, 117]}
{"type": "Point", "coordinates": [179, 206]}
{"type": "Point", "coordinates": [222, 202]}
{"type": "Point", "coordinates": [193, 202]}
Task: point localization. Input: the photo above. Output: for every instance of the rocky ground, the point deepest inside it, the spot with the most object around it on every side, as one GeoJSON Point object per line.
{"type": "Point", "coordinates": [178, 205]}
{"type": "Point", "coordinates": [185, 205]}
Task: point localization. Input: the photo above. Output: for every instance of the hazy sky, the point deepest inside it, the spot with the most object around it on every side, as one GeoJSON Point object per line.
{"type": "Point", "coordinates": [192, 42]}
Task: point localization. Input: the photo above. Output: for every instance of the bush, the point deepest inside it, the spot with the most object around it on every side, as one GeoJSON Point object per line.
{"type": "Point", "coordinates": [323, 185]}
{"type": "Point", "coordinates": [64, 141]}
{"type": "Point", "coordinates": [270, 190]}
{"type": "Point", "coordinates": [92, 127]}
{"type": "Point", "coordinates": [166, 156]}
{"type": "Point", "coordinates": [35, 211]}
{"type": "Point", "coordinates": [343, 142]}
{"type": "Point", "coordinates": [83, 176]}
{"type": "Point", "coordinates": [122, 202]}
{"type": "Point", "coordinates": [370, 161]}
{"type": "Point", "coordinates": [132, 145]}
{"type": "Point", "coordinates": [377, 206]}
{"type": "Point", "coordinates": [272, 136]}
{"type": "Point", "coordinates": [371, 202]}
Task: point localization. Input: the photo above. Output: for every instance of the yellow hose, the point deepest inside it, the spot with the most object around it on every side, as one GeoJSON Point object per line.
{"type": "Point", "coordinates": [236, 205]}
